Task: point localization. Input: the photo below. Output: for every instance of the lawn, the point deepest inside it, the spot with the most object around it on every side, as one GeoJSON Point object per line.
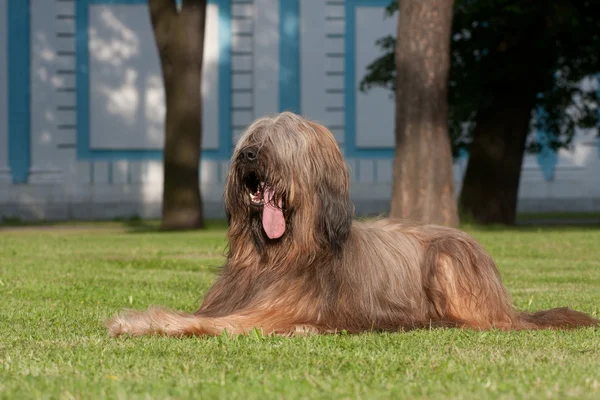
{"type": "Point", "coordinates": [58, 284]}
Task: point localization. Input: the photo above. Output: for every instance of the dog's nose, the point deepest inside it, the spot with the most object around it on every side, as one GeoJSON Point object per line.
{"type": "Point", "coordinates": [249, 154]}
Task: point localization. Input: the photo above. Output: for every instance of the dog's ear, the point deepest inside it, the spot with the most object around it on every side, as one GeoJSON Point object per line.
{"type": "Point", "coordinates": [334, 217]}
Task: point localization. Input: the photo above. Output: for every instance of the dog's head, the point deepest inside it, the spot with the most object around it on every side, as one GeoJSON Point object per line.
{"type": "Point", "coordinates": [288, 183]}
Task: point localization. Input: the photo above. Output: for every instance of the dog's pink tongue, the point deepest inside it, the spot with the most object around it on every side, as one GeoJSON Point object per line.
{"type": "Point", "coordinates": [272, 218]}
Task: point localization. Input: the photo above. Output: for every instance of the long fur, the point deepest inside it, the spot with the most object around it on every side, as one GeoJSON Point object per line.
{"type": "Point", "coordinates": [328, 273]}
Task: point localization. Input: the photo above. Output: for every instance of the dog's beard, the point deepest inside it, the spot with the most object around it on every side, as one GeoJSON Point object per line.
{"type": "Point", "coordinates": [262, 197]}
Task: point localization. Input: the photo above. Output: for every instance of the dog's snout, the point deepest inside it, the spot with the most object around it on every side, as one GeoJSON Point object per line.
{"type": "Point", "coordinates": [249, 154]}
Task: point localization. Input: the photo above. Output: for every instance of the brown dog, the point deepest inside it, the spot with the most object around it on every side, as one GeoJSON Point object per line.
{"type": "Point", "coordinates": [298, 263]}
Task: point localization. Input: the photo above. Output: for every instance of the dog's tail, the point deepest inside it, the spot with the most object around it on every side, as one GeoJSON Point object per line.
{"type": "Point", "coordinates": [156, 321]}
{"type": "Point", "coordinates": [555, 318]}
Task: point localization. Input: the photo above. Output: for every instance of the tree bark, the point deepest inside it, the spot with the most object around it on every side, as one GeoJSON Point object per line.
{"type": "Point", "coordinates": [491, 182]}
{"type": "Point", "coordinates": [423, 185]}
{"type": "Point", "coordinates": [179, 37]}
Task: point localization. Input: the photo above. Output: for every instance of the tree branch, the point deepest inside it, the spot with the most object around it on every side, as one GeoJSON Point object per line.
{"type": "Point", "coordinates": [162, 12]}
{"type": "Point", "coordinates": [162, 8]}
{"type": "Point", "coordinates": [193, 4]}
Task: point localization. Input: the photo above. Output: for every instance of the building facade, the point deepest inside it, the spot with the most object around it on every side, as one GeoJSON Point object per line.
{"type": "Point", "coordinates": [82, 105]}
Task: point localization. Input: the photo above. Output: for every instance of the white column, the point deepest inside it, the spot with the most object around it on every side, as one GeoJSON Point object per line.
{"type": "Point", "coordinates": [210, 80]}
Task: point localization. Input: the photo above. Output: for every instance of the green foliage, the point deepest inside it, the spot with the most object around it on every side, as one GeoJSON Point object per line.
{"type": "Point", "coordinates": [550, 47]}
{"type": "Point", "coordinates": [58, 284]}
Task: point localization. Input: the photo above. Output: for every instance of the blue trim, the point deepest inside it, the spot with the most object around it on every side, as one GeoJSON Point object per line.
{"type": "Point", "coordinates": [225, 77]}
{"type": "Point", "coordinates": [289, 56]}
{"type": "Point", "coordinates": [547, 157]}
{"type": "Point", "coordinates": [19, 89]}
{"type": "Point", "coordinates": [350, 89]}
{"type": "Point", "coordinates": [83, 89]}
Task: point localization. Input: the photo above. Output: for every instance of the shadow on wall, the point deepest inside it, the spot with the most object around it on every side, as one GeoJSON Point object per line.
{"type": "Point", "coordinates": [126, 89]}
{"type": "Point", "coordinates": [126, 117]}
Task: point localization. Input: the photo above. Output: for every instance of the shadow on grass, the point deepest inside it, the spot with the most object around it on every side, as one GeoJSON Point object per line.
{"type": "Point", "coordinates": [529, 222]}
{"type": "Point", "coordinates": [534, 222]}
{"type": "Point", "coordinates": [128, 225]}
{"type": "Point", "coordinates": [526, 222]}
{"type": "Point", "coordinates": [136, 225]}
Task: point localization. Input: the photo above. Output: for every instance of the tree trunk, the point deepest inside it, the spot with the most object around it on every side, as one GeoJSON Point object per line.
{"type": "Point", "coordinates": [423, 186]}
{"type": "Point", "coordinates": [180, 40]}
{"type": "Point", "coordinates": [491, 182]}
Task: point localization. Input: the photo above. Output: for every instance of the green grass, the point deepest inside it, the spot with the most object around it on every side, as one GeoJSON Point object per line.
{"type": "Point", "coordinates": [559, 216]}
{"type": "Point", "coordinates": [58, 283]}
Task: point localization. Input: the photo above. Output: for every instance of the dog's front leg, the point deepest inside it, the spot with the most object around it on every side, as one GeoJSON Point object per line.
{"type": "Point", "coordinates": [159, 321]}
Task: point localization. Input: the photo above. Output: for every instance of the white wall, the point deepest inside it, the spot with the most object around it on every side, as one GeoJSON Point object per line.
{"type": "Point", "coordinates": [127, 101]}
{"type": "Point", "coordinates": [52, 89]}
{"type": "Point", "coordinates": [313, 101]}
{"type": "Point", "coordinates": [265, 58]}
{"type": "Point", "coordinates": [245, 54]}
{"type": "Point", "coordinates": [4, 170]}
{"type": "Point", "coordinates": [575, 178]}
{"type": "Point", "coordinates": [335, 25]}
{"type": "Point", "coordinates": [377, 104]}
{"type": "Point", "coordinates": [322, 27]}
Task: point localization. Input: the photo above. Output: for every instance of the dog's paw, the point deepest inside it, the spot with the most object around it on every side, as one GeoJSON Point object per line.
{"type": "Point", "coordinates": [128, 322]}
{"type": "Point", "coordinates": [116, 326]}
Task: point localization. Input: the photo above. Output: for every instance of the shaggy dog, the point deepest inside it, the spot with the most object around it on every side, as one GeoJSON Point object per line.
{"type": "Point", "coordinates": [297, 263]}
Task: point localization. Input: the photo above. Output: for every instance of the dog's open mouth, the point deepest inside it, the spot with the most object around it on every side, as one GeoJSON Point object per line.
{"type": "Point", "coordinates": [263, 195]}
{"type": "Point", "coordinates": [255, 189]}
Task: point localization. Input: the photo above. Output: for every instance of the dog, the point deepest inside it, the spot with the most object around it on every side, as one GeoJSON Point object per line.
{"type": "Point", "coordinates": [297, 262]}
